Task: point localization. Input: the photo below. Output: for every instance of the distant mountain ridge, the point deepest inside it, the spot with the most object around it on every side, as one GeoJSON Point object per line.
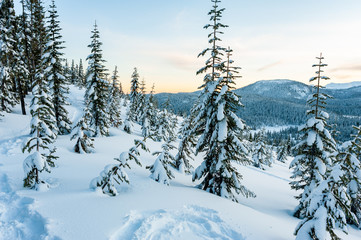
{"type": "Point", "coordinates": [282, 102]}
{"type": "Point", "coordinates": [343, 85]}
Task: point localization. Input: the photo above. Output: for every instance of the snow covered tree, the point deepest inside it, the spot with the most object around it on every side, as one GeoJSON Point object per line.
{"type": "Point", "coordinates": [73, 74]}
{"type": "Point", "coordinates": [128, 123]}
{"type": "Point", "coordinates": [160, 170]}
{"type": "Point", "coordinates": [114, 101]}
{"type": "Point", "coordinates": [134, 96]}
{"type": "Point", "coordinates": [164, 128]}
{"type": "Point", "coordinates": [96, 95]}
{"type": "Point", "coordinates": [184, 155]}
{"type": "Point", "coordinates": [54, 72]}
{"type": "Point", "coordinates": [221, 138]}
{"type": "Point", "coordinates": [114, 174]}
{"type": "Point", "coordinates": [84, 142]}
{"type": "Point", "coordinates": [350, 160]}
{"type": "Point", "coordinates": [282, 153]}
{"type": "Point", "coordinates": [323, 202]}
{"type": "Point", "coordinates": [81, 76]}
{"type": "Point", "coordinates": [261, 155]}
{"type": "Point", "coordinates": [43, 132]}
{"type": "Point", "coordinates": [7, 22]}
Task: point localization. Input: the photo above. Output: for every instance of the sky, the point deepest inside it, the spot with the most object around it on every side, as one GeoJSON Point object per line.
{"type": "Point", "coordinates": [276, 39]}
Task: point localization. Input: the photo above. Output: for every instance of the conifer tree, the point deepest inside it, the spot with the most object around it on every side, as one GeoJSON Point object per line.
{"type": "Point", "coordinates": [184, 155]}
{"type": "Point", "coordinates": [350, 160]}
{"type": "Point", "coordinates": [215, 120]}
{"type": "Point", "coordinates": [160, 170]}
{"type": "Point", "coordinates": [19, 66]}
{"type": "Point", "coordinates": [81, 76]}
{"type": "Point", "coordinates": [54, 72]}
{"type": "Point", "coordinates": [84, 142]}
{"type": "Point", "coordinates": [324, 203]}
{"type": "Point", "coordinates": [261, 155]}
{"type": "Point", "coordinates": [96, 95]}
{"type": "Point", "coordinates": [7, 22]}
{"type": "Point", "coordinates": [165, 130]}
{"type": "Point", "coordinates": [43, 132]}
{"type": "Point", "coordinates": [114, 101]}
{"type": "Point", "coordinates": [114, 174]}
{"type": "Point", "coordinates": [128, 123]}
{"type": "Point", "coordinates": [282, 152]}
{"type": "Point", "coordinates": [134, 96]}
{"type": "Point", "coordinates": [221, 140]}
{"type": "Point", "coordinates": [73, 74]}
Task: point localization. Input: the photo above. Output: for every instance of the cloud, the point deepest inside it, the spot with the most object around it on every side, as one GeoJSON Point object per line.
{"type": "Point", "coordinates": [269, 66]}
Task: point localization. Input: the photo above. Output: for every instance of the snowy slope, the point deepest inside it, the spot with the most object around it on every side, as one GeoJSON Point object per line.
{"type": "Point", "coordinates": [144, 209]}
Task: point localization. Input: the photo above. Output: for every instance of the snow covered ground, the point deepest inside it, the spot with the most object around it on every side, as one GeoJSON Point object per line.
{"type": "Point", "coordinates": [144, 209]}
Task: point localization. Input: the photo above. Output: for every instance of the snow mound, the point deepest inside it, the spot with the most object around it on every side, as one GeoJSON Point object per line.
{"type": "Point", "coordinates": [18, 220]}
{"type": "Point", "coordinates": [191, 222]}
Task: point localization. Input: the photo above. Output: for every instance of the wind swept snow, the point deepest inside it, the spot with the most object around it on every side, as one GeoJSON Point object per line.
{"type": "Point", "coordinates": [191, 222]}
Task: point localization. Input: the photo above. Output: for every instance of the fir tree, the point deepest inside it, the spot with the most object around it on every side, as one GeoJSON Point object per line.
{"type": "Point", "coordinates": [184, 155]}
{"type": "Point", "coordinates": [114, 101]}
{"type": "Point", "coordinates": [134, 96]}
{"type": "Point", "coordinates": [324, 202]}
{"type": "Point", "coordinates": [261, 155]}
{"type": "Point", "coordinates": [128, 123]}
{"type": "Point", "coordinates": [54, 72]}
{"type": "Point", "coordinates": [81, 76]}
{"type": "Point", "coordinates": [114, 174]}
{"type": "Point", "coordinates": [349, 159]}
{"type": "Point", "coordinates": [221, 140]}
{"type": "Point", "coordinates": [43, 133]}
{"type": "Point", "coordinates": [160, 170]}
{"type": "Point", "coordinates": [7, 22]}
{"type": "Point", "coordinates": [84, 142]}
{"type": "Point", "coordinates": [96, 95]}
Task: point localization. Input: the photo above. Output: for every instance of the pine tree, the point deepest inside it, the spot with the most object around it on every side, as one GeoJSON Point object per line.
{"type": "Point", "coordinates": [215, 120]}
{"type": "Point", "coordinates": [134, 96]}
{"type": "Point", "coordinates": [324, 202]}
{"type": "Point", "coordinates": [20, 71]}
{"type": "Point", "coordinates": [282, 152]}
{"type": "Point", "coordinates": [81, 76]}
{"type": "Point", "coordinates": [165, 130]}
{"type": "Point", "coordinates": [73, 74]}
{"type": "Point", "coordinates": [261, 155]}
{"type": "Point", "coordinates": [221, 140]}
{"type": "Point", "coordinates": [43, 132]}
{"type": "Point", "coordinates": [84, 142]}
{"type": "Point", "coordinates": [160, 170]}
{"type": "Point", "coordinates": [96, 95]}
{"type": "Point", "coordinates": [114, 174]}
{"type": "Point", "coordinates": [350, 160]}
{"type": "Point", "coordinates": [7, 22]}
{"type": "Point", "coordinates": [114, 101]}
{"type": "Point", "coordinates": [184, 155]}
{"type": "Point", "coordinates": [128, 123]}
{"type": "Point", "coordinates": [54, 72]}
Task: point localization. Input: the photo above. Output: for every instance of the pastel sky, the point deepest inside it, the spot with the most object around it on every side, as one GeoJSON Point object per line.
{"type": "Point", "coordinates": [271, 39]}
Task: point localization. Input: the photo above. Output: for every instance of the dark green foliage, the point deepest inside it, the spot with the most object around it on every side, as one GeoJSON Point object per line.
{"type": "Point", "coordinates": [96, 95]}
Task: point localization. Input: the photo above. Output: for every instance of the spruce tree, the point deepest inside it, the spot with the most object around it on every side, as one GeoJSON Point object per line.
{"type": "Point", "coordinates": [84, 142]}
{"type": "Point", "coordinates": [19, 67]}
{"type": "Point", "coordinates": [81, 76]}
{"type": "Point", "coordinates": [216, 122]}
{"type": "Point", "coordinates": [43, 131]}
{"type": "Point", "coordinates": [261, 155]}
{"type": "Point", "coordinates": [96, 95]}
{"type": "Point", "coordinates": [54, 72]}
{"type": "Point", "coordinates": [161, 169]}
{"type": "Point", "coordinates": [187, 142]}
{"type": "Point", "coordinates": [7, 24]}
{"type": "Point", "coordinates": [323, 202]}
{"type": "Point", "coordinates": [134, 96]}
{"type": "Point", "coordinates": [114, 101]}
{"type": "Point", "coordinates": [114, 174]}
{"type": "Point", "coordinates": [350, 160]}
{"type": "Point", "coordinates": [221, 141]}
